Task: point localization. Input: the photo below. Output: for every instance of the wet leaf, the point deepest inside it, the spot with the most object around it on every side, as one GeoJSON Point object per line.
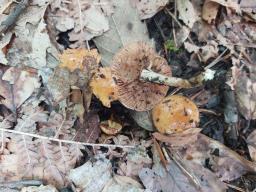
{"type": "Point", "coordinates": [17, 86]}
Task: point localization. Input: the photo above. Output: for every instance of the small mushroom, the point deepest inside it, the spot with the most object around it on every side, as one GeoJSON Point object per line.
{"type": "Point", "coordinates": [174, 114]}
{"type": "Point", "coordinates": [127, 65]}
{"type": "Point", "coordinates": [110, 127]}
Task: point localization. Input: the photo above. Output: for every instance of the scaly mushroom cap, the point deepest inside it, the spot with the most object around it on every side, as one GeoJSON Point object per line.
{"type": "Point", "coordinates": [174, 114]}
{"type": "Point", "coordinates": [127, 66]}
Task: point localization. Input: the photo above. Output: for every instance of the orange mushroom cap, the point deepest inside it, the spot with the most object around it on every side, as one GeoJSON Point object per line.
{"type": "Point", "coordinates": [127, 66]}
{"type": "Point", "coordinates": [174, 114]}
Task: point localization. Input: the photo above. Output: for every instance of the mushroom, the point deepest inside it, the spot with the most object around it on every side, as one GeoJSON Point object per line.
{"type": "Point", "coordinates": [127, 65]}
{"type": "Point", "coordinates": [174, 114]}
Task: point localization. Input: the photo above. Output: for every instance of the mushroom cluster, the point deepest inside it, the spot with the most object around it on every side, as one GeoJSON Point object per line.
{"type": "Point", "coordinates": [127, 65]}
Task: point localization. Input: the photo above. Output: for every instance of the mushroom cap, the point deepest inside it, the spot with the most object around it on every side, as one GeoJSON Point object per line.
{"type": "Point", "coordinates": [174, 114]}
{"type": "Point", "coordinates": [126, 69]}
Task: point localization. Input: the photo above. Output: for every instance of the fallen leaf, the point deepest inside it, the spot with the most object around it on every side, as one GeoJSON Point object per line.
{"type": "Point", "coordinates": [84, 177]}
{"type": "Point", "coordinates": [125, 28]}
{"type": "Point", "coordinates": [122, 183]}
{"type": "Point", "coordinates": [90, 131]}
{"type": "Point", "coordinates": [174, 114]}
{"type": "Point", "coordinates": [148, 9]}
{"type": "Point", "coordinates": [211, 7]}
{"type": "Point", "coordinates": [17, 86]}
{"type": "Point", "coordinates": [251, 141]}
{"type": "Point", "coordinates": [206, 52]}
{"type": "Point", "coordinates": [173, 177]}
{"type": "Point", "coordinates": [42, 188]}
{"type": "Point", "coordinates": [136, 159]}
{"type": "Point", "coordinates": [143, 119]}
{"type": "Point", "coordinates": [103, 86]}
{"type": "Point", "coordinates": [225, 163]}
{"type": "Point", "coordinates": [187, 12]}
{"type": "Point", "coordinates": [74, 58]}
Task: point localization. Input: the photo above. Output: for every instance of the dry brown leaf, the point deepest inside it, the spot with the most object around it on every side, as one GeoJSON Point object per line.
{"type": "Point", "coordinates": [148, 8]}
{"type": "Point", "coordinates": [74, 58]}
{"type": "Point", "coordinates": [17, 86]}
{"type": "Point", "coordinates": [225, 163]}
{"type": "Point", "coordinates": [174, 114]}
{"type": "Point", "coordinates": [251, 141]}
{"type": "Point", "coordinates": [187, 12]}
{"type": "Point", "coordinates": [211, 7]}
{"type": "Point", "coordinates": [89, 132]}
{"type": "Point", "coordinates": [173, 177]}
{"type": "Point", "coordinates": [210, 50]}
{"type": "Point", "coordinates": [103, 86]}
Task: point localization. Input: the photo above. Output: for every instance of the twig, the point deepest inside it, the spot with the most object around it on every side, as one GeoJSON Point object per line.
{"type": "Point", "coordinates": [66, 141]}
{"type": "Point", "coordinates": [235, 187]}
{"type": "Point", "coordinates": [151, 76]}
{"type": "Point", "coordinates": [21, 184]}
{"type": "Point", "coordinates": [13, 16]}
{"type": "Point", "coordinates": [215, 61]}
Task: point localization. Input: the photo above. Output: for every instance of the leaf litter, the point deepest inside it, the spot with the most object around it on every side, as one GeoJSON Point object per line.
{"type": "Point", "coordinates": [88, 99]}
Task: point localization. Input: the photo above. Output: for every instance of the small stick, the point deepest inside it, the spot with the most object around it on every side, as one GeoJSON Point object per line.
{"type": "Point", "coordinates": [151, 76]}
{"type": "Point", "coordinates": [65, 141]}
{"type": "Point", "coordinates": [21, 184]}
{"type": "Point", "coordinates": [13, 16]}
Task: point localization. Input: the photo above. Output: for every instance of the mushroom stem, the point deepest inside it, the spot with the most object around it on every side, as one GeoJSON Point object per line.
{"type": "Point", "coordinates": [151, 76]}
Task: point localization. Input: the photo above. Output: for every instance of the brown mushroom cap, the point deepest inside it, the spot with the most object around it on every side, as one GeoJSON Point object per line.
{"type": "Point", "coordinates": [174, 114]}
{"type": "Point", "coordinates": [127, 66]}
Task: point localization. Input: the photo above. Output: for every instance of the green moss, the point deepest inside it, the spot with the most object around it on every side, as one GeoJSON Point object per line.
{"type": "Point", "coordinates": [170, 46]}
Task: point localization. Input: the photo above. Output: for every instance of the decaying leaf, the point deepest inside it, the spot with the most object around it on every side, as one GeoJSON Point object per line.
{"type": "Point", "coordinates": [211, 7]}
{"type": "Point", "coordinates": [90, 130]}
{"type": "Point", "coordinates": [251, 141]}
{"type": "Point", "coordinates": [32, 46]}
{"type": "Point", "coordinates": [122, 183]}
{"type": "Point", "coordinates": [210, 50]}
{"type": "Point", "coordinates": [17, 86]}
{"type": "Point", "coordinates": [74, 58]}
{"type": "Point", "coordinates": [42, 188]}
{"type": "Point", "coordinates": [176, 178]}
{"type": "Point", "coordinates": [136, 159]}
{"type": "Point", "coordinates": [148, 9]}
{"type": "Point", "coordinates": [174, 114]}
{"type": "Point", "coordinates": [125, 28]}
{"type": "Point", "coordinates": [87, 19]}
{"type": "Point", "coordinates": [103, 86]}
{"type": "Point", "coordinates": [143, 119]}
{"type": "Point", "coordinates": [225, 163]}
{"type": "Point", "coordinates": [244, 83]}
{"type": "Point", "coordinates": [127, 66]}
{"type": "Point", "coordinates": [40, 159]}
{"type": "Point", "coordinates": [187, 12]}
{"type": "Point", "coordinates": [84, 177]}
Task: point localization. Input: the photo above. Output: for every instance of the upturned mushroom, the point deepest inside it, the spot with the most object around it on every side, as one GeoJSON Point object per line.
{"type": "Point", "coordinates": [127, 66]}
